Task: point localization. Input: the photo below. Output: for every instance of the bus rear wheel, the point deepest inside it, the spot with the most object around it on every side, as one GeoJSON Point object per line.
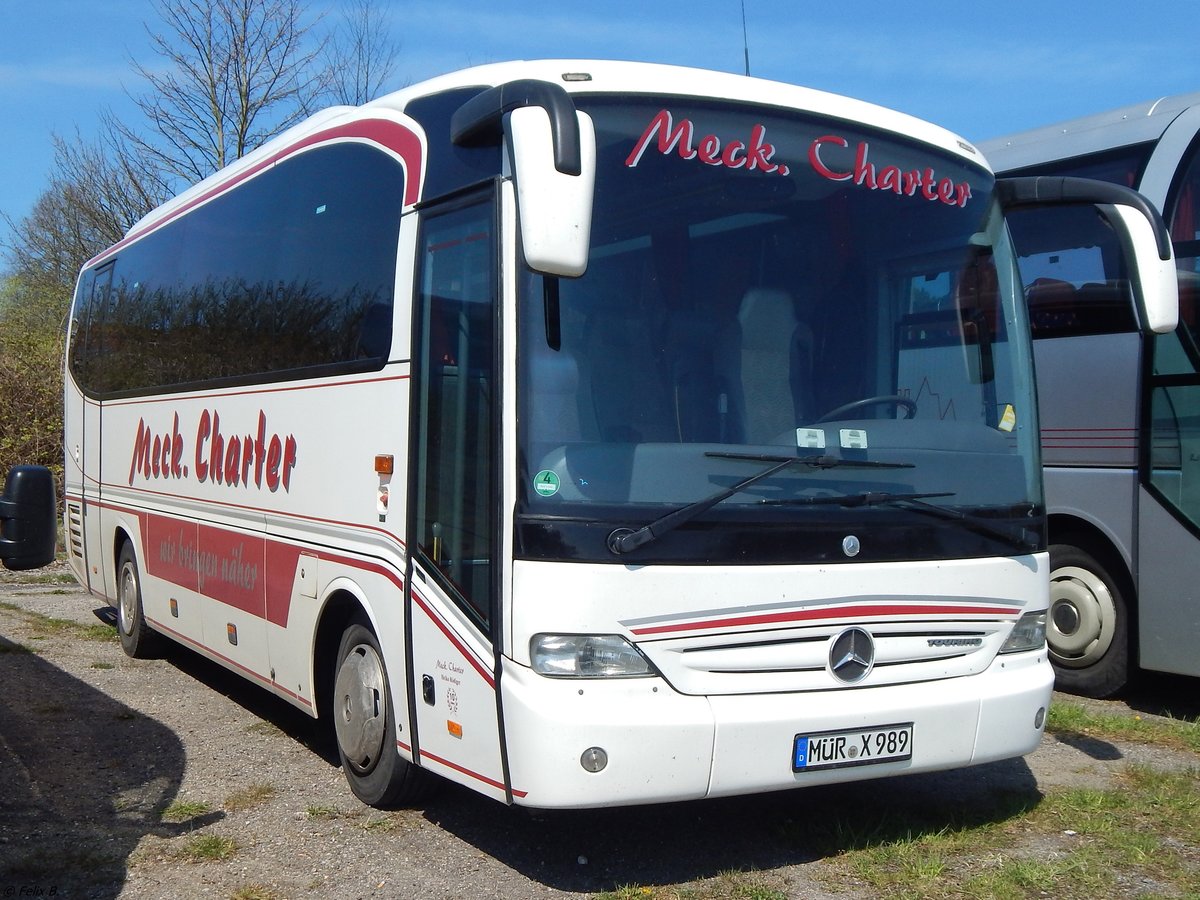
{"type": "Point", "coordinates": [138, 640]}
{"type": "Point", "coordinates": [365, 724]}
{"type": "Point", "coordinates": [1087, 628]}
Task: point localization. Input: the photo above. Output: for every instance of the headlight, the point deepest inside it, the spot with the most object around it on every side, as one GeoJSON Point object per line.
{"type": "Point", "coordinates": [1028, 634]}
{"type": "Point", "coordinates": [586, 656]}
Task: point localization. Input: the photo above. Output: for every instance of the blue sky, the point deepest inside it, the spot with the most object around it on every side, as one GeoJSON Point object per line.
{"type": "Point", "coordinates": [979, 69]}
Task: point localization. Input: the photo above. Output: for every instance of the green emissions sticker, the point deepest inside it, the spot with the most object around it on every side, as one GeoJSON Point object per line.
{"type": "Point", "coordinates": [546, 483]}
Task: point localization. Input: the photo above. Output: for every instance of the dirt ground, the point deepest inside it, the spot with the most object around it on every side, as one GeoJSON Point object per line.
{"type": "Point", "coordinates": [94, 747]}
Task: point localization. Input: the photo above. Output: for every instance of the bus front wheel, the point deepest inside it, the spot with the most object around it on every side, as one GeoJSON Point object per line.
{"type": "Point", "coordinates": [365, 723]}
{"type": "Point", "coordinates": [138, 640]}
{"type": "Point", "coordinates": [1087, 628]}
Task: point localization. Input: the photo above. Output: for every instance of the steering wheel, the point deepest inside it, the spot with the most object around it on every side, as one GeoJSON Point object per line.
{"type": "Point", "coordinates": [904, 403]}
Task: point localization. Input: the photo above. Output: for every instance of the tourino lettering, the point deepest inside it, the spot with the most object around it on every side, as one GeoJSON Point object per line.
{"type": "Point", "coordinates": [221, 457]}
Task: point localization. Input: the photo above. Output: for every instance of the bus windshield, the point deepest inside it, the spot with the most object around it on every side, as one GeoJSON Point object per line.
{"type": "Point", "coordinates": [770, 290]}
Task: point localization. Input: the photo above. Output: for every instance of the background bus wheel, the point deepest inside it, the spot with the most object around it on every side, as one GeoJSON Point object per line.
{"type": "Point", "coordinates": [138, 640]}
{"type": "Point", "coordinates": [1088, 626]}
{"type": "Point", "coordinates": [365, 724]}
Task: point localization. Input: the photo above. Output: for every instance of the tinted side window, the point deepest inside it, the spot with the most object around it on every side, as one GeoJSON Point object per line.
{"type": "Point", "coordinates": [289, 272]}
{"type": "Point", "coordinates": [1121, 166]}
{"type": "Point", "coordinates": [1074, 288]}
{"type": "Point", "coordinates": [1184, 219]}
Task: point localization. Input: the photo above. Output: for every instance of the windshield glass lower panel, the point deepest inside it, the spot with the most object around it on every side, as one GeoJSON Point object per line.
{"type": "Point", "coordinates": [806, 347]}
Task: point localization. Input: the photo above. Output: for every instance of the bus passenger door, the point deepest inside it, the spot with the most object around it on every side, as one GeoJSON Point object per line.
{"type": "Point", "coordinates": [82, 442]}
{"type": "Point", "coordinates": [1168, 565]}
{"type": "Point", "coordinates": [453, 515]}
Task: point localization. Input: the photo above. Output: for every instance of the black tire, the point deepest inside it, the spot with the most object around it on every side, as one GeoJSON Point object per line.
{"type": "Point", "coordinates": [138, 639]}
{"type": "Point", "coordinates": [365, 724]}
{"type": "Point", "coordinates": [1087, 628]}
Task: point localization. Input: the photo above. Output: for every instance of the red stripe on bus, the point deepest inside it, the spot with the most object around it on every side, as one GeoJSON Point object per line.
{"type": "Point", "coordinates": [233, 663]}
{"type": "Point", "coordinates": [467, 654]}
{"type": "Point", "coordinates": [843, 612]}
{"type": "Point", "coordinates": [478, 777]}
{"type": "Point", "coordinates": [217, 395]}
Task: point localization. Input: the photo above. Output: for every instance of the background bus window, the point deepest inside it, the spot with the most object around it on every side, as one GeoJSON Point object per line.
{"type": "Point", "coordinates": [1075, 290]}
{"type": "Point", "coordinates": [1175, 383]}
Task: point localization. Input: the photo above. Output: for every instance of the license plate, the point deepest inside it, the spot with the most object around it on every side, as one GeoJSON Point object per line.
{"type": "Point", "coordinates": [852, 747]}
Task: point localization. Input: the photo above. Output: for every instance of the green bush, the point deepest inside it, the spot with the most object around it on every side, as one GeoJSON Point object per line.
{"type": "Point", "coordinates": [31, 392]}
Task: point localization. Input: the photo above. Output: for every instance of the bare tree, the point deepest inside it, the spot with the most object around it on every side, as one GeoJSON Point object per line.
{"type": "Point", "coordinates": [231, 74]}
{"type": "Point", "coordinates": [361, 56]}
{"type": "Point", "coordinates": [96, 192]}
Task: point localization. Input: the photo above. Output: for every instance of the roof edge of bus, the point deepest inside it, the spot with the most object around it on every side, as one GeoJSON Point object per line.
{"type": "Point", "coordinates": [583, 76]}
{"type": "Point", "coordinates": [590, 76]}
{"type": "Point", "coordinates": [1120, 127]}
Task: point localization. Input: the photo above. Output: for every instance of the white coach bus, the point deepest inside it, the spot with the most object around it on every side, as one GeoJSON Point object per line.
{"type": "Point", "coordinates": [1120, 410]}
{"type": "Point", "coordinates": [585, 433]}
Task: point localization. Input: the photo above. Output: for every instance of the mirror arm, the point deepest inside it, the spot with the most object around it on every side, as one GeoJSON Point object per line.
{"type": "Point", "coordinates": [480, 119]}
{"type": "Point", "coordinates": [1051, 190]}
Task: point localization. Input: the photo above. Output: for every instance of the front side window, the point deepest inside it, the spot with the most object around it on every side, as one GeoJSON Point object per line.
{"type": "Point", "coordinates": [454, 337]}
{"type": "Point", "coordinates": [771, 290]}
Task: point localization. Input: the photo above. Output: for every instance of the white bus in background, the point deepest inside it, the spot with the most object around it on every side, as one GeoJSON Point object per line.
{"type": "Point", "coordinates": [584, 433]}
{"type": "Point", "coordinates": [1120, 409]}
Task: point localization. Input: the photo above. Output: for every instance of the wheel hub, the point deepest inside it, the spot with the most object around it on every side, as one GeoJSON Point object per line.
{"type": "Point", "coordinates": [1083, 617]}
{"type": "Point", "coordinates": [361, 708]}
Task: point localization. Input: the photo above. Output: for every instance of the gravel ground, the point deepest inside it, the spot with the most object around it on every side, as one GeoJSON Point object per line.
{"type": "Point", "coordinates": [94, 747]}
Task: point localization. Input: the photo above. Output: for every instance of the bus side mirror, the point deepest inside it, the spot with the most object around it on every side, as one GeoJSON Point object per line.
{"type": "Point", "coordinates": [1154, 279]}
{"type": "Point", "coordinates": [1144, 237]}
{"type": "Point", "coordinates": [554, 208]}
{"type": "Point", "coordinates": [28, 518]}
{"type": "Point", "coordinates": [552, 148]}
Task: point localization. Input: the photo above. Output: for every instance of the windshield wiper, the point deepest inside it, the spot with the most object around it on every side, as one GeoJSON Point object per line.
{"type": "Point", "coordinates": [820, 461]}
{"type": "Point", "coordinates": [626, 540]}
{"type": "Point", "coordinates": [916, 502]}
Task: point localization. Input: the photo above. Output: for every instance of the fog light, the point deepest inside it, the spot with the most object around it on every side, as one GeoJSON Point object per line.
{"type": "Point", "coordinates": [594, 759]}
{"type": "Point", "coordinates": [1039, 718]}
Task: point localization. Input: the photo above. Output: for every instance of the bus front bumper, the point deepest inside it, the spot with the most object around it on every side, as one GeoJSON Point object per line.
{"type": "Point", "coordinates": [657, 745]}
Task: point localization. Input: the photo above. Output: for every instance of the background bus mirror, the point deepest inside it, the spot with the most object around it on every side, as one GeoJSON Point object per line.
{"type": "Point", "coordinates": [1144, 236]}
{"type": "Point", "coordinates": [554, 208]}
{"type": "Point", "coordinates": [28, 518]}
{"type": "Point", "coordinates": [1153, 279]}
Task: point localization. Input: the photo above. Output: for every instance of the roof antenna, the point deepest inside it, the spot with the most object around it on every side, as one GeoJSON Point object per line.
{"type": "Point", "coordinates": [745, 40]}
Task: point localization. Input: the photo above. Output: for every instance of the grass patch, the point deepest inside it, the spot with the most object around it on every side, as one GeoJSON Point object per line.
{"type": "Point", "coordinates": [1067, 718]}
{"type": "Point", "coordinates": [208, 848]}
{"type": "Point", "coordinates": [47, 578]}
{"type": "Point", "coordinates": [44, 626]}
{"type": "Point", "coordinates": [322, 812]}
{"type": "Point", "coordinates": [382, 824]}
{"type": "Point", "coordinates": [182, 810]}
{"type": "Point", "coordinates": [732, 885]}
{"type": "Point", "coordinates": [1141, 835]}
{"type": "Point", "coordinates": [255, 892]}
{"type": "Point", "coordinates": [249, 797]}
